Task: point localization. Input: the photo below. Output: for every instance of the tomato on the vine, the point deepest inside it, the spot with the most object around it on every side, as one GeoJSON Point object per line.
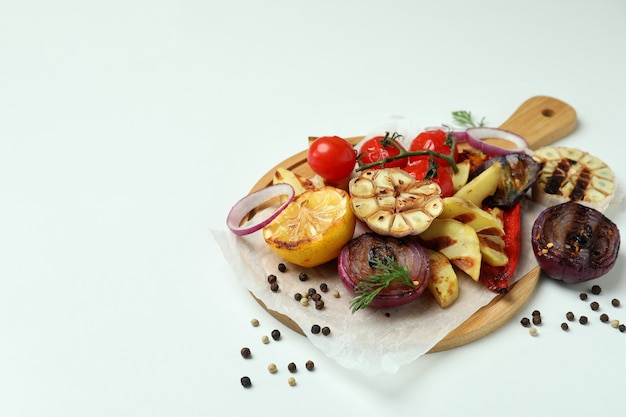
{"type": "Point", "coordinates": [422, 169]}
{"type": "Point", "coordinates": [374, 150]}
{"type": "Point", "coordinates": [434, 140]}
{"type": "Point", "coordinates": [331, 157]}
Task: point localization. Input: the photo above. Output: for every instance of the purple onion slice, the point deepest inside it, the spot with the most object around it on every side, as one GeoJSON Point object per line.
{"type": "Point", "coordinates": [574, 243]}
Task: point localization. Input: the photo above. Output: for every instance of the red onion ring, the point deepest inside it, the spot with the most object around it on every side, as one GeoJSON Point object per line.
{"type": "Point", "coordinates": [247, 206]}
{"type": "Point", "coordinates": [477, 135]}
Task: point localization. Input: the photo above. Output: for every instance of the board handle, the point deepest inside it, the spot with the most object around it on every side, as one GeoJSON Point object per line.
{"type": "Point", "coordinates": [542, 120]}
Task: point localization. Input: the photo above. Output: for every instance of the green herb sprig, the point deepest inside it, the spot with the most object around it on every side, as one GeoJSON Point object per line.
{"type": "Point", "coordinates": [388, 272]}
{"type": "Point", "coordinates": [464, 118]}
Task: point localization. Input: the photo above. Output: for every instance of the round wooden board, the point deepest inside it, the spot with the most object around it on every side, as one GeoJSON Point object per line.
{"type": "Point", "coordinates": [541, 120]}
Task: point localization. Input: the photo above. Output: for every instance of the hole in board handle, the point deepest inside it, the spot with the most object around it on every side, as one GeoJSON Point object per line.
{"type": "Point", "coordinates": [547, 112]}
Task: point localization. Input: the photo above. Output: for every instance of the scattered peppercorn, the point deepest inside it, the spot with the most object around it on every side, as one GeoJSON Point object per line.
{"type": "Point", "coordinates": [292, 367]}
{"type": "Point", "coordinates": [533, 331]}
{"type": "Point", "coordinates": [303, 276]}
{"type": "Point", "coordinates": [583, 320]}
{"type": "Point", "coordinates": [271, 278]}
{"type": "Point", "coordinates": [272, 368]}
{"type": "Point", "coordinates": [254, 322]}
{"type": "Point", "coordinates": [282, 267]}
{"type": "Point", "coordinates": [594, 306]}
{"type": "Point", "coordinates": [536, 320]}
{"type": "Point", "coordinates": [246, 382]}
{"type": "Point", "coordinates": [323, 287]}
{"type": "Point", "coordinates": [246, 353]}
{"type": "Point", "coordinates": [310, 365]}
{"type": "Point", "coordinates": [276, 334]}
{"type": "Point", "coordinates": [615, 302]}
{"type": "Point", "coordinates": [316, 297]}
{"type": "Point", "coordinates": [596, 289]}
{"type": "Point", "coordinates": [615, 323]}
{"type": "Point", "coordinates": [604, 317]}
{"type": "Point", "coordinates": [315, 329]}
{"type": "Point", "coordinates": [319, 304]}
{"type": "Point", "coordinates": [304, 301]}
{"type": "Point", "coordinates": [570, 316]}
{"type": "Point", "coordinates": [265, 339]}
{"type": "Point", "coordinates": [583, 296]}
{"type": "Point", "coordinates": [291, 381]}
{"type": "Point", "coordinates": [525, 322]}
{"type": "Point", "coordinates": [274, 287]}
{"type": "Point", "coordinates": [536, 313]}
{"type": "Point", "coordinates": [312, 291]}
{"type": "Point", "coordinates": [325, 331]}
{"type": "Point", "coordinates": [622, 328]}
{"type": "Point", "coordinates": [564, 326]}
{"type": "Point", "coordinates": [297, 296]}
{"type": "Point", "coordinates": [336, 294]}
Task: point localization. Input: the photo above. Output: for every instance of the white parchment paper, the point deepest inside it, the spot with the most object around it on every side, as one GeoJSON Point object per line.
{"type": "Point", "coordinates": [372, 341]}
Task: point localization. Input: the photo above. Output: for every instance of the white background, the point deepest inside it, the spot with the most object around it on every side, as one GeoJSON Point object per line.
{"type": "Point", "coordinates": [129, 128]}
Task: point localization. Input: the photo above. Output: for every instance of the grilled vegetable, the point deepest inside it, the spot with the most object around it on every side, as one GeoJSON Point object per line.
{"type": "Point", "coordinates": [383, 271]}
{"type": "Point", "coordinates": [482, 185]}
{"type": "Point", "coordinates": [458, 242]}
{"type": "Point", "coordinates": [574, 243]}
{"type": "Point", "coordinates": [443, 283]}
{"type": "Point", "coordinates": [393, 203]}
{"type": "Point", "coordinates": [498, 278]}
{"type": "Point", "coordinates": [519, 173]}
{"type": "Point", "coordinates": [573, 175]}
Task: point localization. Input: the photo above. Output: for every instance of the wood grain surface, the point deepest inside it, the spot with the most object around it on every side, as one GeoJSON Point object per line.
{"type": "Point", "coordinates": [541, 120]}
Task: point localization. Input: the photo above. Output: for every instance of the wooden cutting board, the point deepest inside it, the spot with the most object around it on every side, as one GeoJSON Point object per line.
{"type": "Point", "coordinates": [541, 120]}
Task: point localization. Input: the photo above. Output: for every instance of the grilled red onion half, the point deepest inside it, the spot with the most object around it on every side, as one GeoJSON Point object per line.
{"type": "Point", "coordinates": [358, 257]}
{"type": "Point", "coordinates": [574, 243]}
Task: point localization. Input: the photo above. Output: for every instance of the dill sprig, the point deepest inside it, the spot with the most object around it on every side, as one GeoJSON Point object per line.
{"type": "Point", "coordinates": [388, 272]}
{"type": "Point", "coordinates": [464, 118]}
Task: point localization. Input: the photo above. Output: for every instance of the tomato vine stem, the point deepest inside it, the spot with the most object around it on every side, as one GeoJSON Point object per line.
{"type": "Point", "coordinates": [392, 140]}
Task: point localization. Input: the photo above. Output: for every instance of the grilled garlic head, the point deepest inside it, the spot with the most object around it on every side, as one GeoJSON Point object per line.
{"type": "Point", "coordinates": [392, 203]}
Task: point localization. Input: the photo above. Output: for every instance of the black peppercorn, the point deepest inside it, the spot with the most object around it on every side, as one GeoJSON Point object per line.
{"type": "Point", "coordinates": [274, 287]}
{"type": "Point", "coordinates": [604, 318]}
{"type": "Point", "coordinates": [246, 382]}
{"type": "Point", "coordinates": [594, 306]}
{"type": "Point", "coordinates": [271, 278]}
{"type": "Point", "coordinates": [303, 276]}
{"type": "Point", "coordinates": [615, 302]}
{"type": "Point", "coordinates": [323, 287]}
{"type": "Point", "coordinates": [596, 289]}
{"type": "Point", "coordinates": [570, 316]}
{"type": "Point", "coordinates": [292, 367]}
{"type": "Point", "coordinates": [536, 313]}
{"type": "Point", "coordinates": [325, 331]}
{"type": "Point", "coordinates": [315, 329]}
{"type": "Point", "coordinates": [245, 352]}
{"type": "Point", "coordinates": [316, 297]}
{"type": "Point", "coordinates": [525, 322]}
{"type": "Point", "coordinates": [536, 320]}
{"type": "Point", "coordinates": [583, 296]}
{"type": "Point", "coordinates": [319, 304]}
{"type": "Point", "coordinates": [297, 296]}
{"type": "Point", "coordinates": [564, 326]}
{"type": "Point", "coordinates": [312, 291]}
{"type": "Point", "coordinates": [275, 334]}
{"type": "Point", "coordinates": [583, 320]}
{"type": "Point", "coordinates": [310, 365]}
{"type": "Point", "coordinates": [282, 267]}
{"type": "Point", "coordinates": [622, 328]}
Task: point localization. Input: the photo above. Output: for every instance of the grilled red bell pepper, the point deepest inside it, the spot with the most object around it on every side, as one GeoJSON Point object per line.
{"type": "Point", "coordinates": [497, 278]}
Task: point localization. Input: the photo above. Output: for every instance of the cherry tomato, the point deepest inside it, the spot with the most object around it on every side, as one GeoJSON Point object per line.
{"type": "Point", "coordinates": [434, 140]}
{"type": "Point", "coordinates": [373, 150]}
{"type": "Point", "coordinates": [331, 157]}
{"type": "Point", "coordinates": [419, 169]}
